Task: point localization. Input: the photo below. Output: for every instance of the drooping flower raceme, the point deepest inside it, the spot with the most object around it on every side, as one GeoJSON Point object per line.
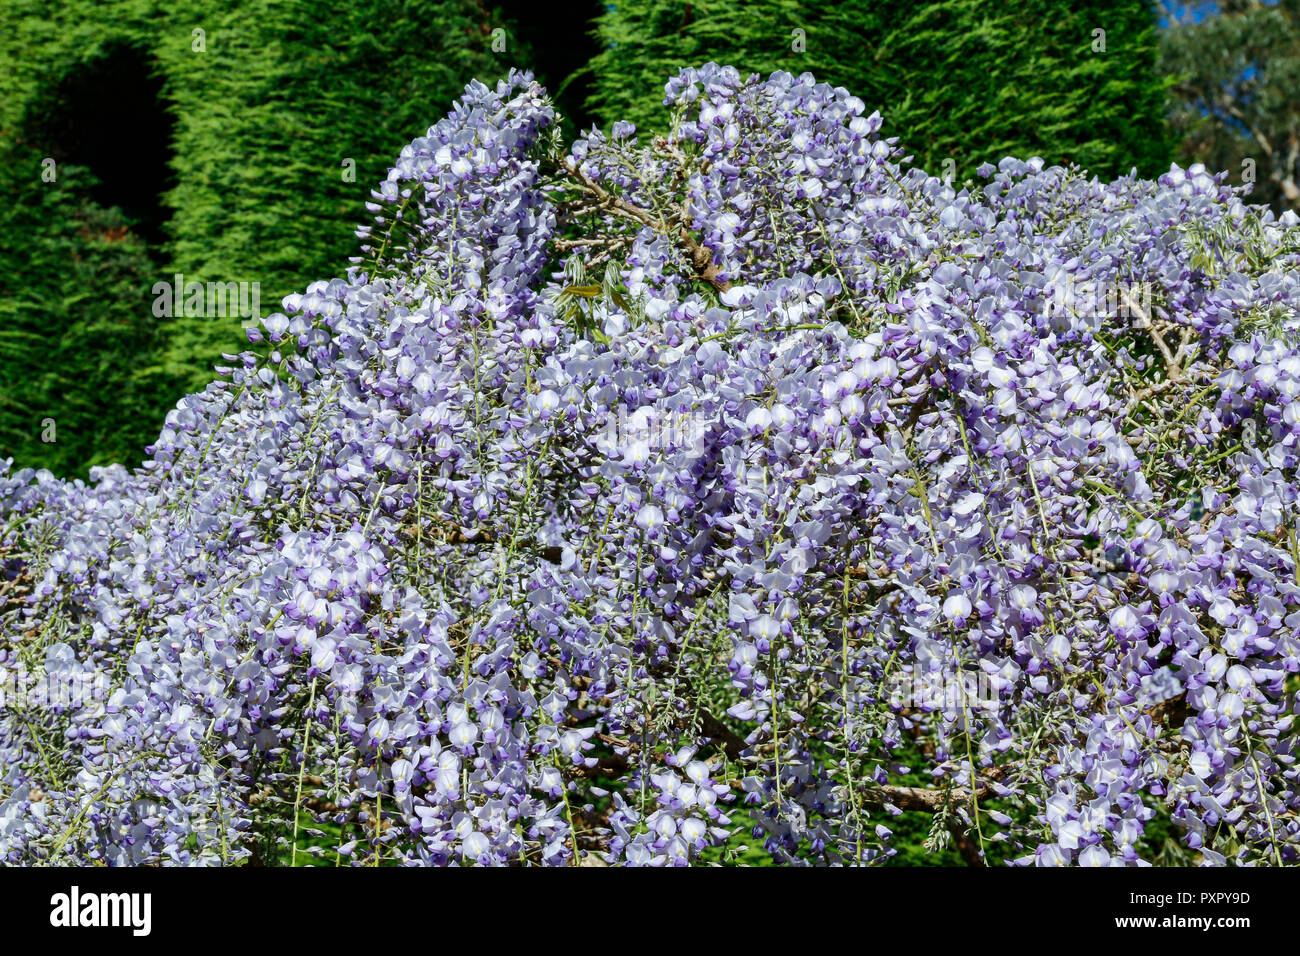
{"type": "Point", "coordinates": [630, 500]}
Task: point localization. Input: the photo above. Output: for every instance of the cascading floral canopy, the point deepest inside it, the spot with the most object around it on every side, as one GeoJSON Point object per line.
{"type": "Point", "coordinates": [629, 498]}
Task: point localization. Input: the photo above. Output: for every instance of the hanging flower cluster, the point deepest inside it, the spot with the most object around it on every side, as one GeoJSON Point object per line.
{"type": "Point", "coordinates": [630, 500]}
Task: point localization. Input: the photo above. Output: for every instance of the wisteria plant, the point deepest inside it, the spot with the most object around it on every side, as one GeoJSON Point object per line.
{"type": "Point", "coordinates": [634, 501]}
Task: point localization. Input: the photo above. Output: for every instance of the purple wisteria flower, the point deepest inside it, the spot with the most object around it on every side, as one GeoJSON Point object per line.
{"type": "Point", "coordinates": [620, 485]}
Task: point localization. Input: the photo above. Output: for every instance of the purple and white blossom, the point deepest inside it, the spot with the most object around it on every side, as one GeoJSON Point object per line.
{"type": "Point", "coordinates": [392, 572]}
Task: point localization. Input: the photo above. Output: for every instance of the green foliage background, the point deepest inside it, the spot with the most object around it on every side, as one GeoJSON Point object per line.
{"type": "Point", "coordinates": [1236, 75]}
{"type": "Point", "coordinates": [284, 91]}
{"type": "Point", "coordinates": [967, 80]}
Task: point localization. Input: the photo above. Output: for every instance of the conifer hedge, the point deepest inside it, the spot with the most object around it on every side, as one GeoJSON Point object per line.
{"type": "Point", "coordinates": [963, 80]}
{"type": "Point", "coordinates": [263, 108]}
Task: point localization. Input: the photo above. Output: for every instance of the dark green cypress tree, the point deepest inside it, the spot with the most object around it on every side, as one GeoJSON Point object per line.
{"type": "Point", "coordinates": [266, 105]}
{"type": "Point", "coordinates": [643, 44]}
{"type": "Point", "coordinates": [79, 345]}
{"type": "Point", "coordinates": [966, 80]}
{"type": "Point", "coordinates": [1065, 80]}
{"type": "Point", "coordinates": [280, 109]}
